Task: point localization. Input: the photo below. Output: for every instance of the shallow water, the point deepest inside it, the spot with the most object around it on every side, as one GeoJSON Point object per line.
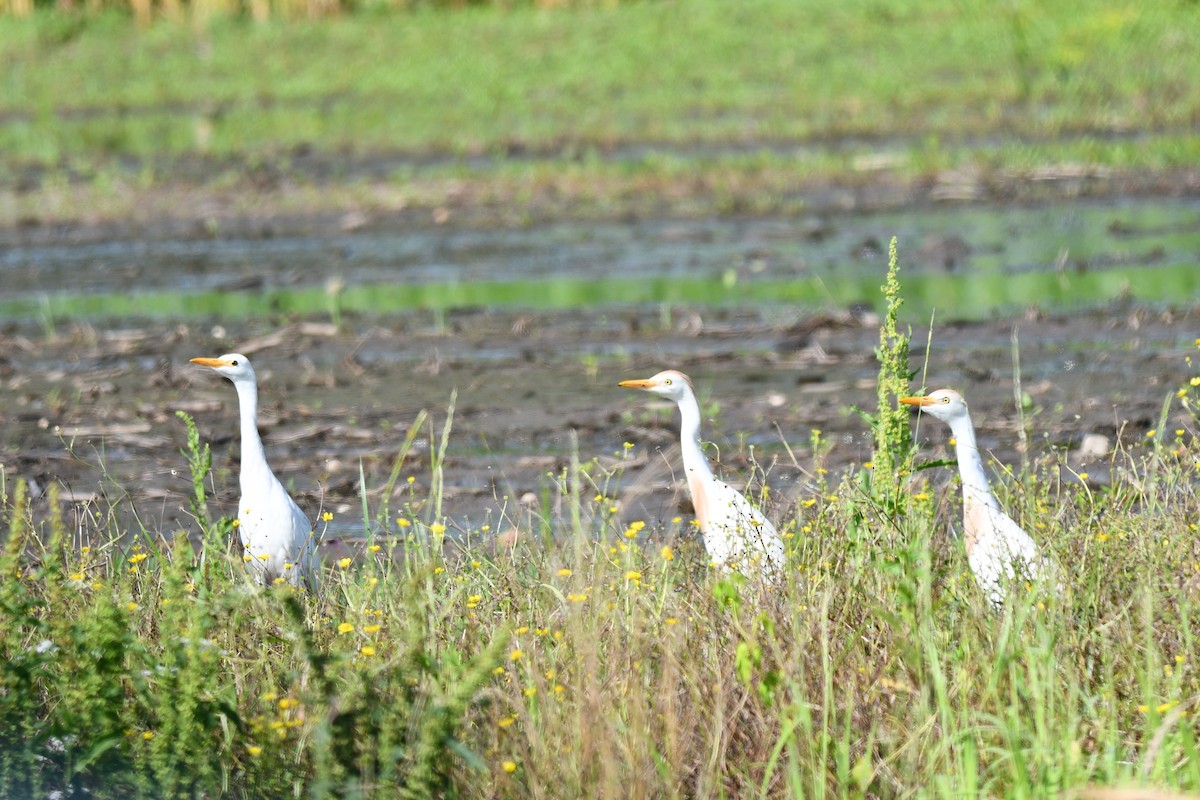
{"type": "Point", "coordinates": [968, 263]}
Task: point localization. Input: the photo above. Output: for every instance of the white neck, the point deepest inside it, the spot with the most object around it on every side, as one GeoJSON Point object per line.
{"type": "Point", "coordinates": [970, 464]}
{"type": "Point", "coordinates": [694, 461]}
{"type": "Point", "coordinates": [254, 458]}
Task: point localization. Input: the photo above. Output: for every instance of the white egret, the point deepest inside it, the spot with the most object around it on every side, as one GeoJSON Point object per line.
{"type": "Point", "coordinates": [998, 550]}
{"type": "Point", "coordinates": [277, 536]}
{"type": "Point", "coordinates": [736, 534]}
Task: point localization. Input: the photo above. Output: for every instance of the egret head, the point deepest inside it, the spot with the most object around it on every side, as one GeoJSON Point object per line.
{"type": "Point", "coordinates": [669, 383]}
{"type": "Point", "coordinates": [945, 404]}
{"type": "Point", "coordinates": [234, 366]}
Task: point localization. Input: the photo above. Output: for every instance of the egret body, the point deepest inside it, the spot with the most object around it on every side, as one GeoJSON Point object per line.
{"type": "Point", "coordinates": [997, 548]}
{"type": "Point", "coordinates": [277, 536]}
{"type": "Point", "coordinates": [736, 534]}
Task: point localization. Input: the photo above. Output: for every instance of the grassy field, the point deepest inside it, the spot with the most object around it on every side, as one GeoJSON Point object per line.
{"type": "Point", "coordinates": [595, 655]}
{"type": "Point", "coordinates": [743, 101]}
{"type": "Point", "coordinates": [592, 655]}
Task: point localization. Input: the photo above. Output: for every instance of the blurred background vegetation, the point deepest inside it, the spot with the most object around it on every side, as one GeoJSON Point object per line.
{"type": "Point", "coordinates": [907, 89]}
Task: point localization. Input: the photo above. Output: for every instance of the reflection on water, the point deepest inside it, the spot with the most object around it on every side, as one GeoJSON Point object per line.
{"type": "Point", "coordinates": [971, 262]}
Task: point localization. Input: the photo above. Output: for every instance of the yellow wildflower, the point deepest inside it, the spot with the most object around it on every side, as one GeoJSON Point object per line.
{"type": "Point", "coordinates": [509, 767]}
{"type": "Point", "coordinates": [345, 627]}
{"type": "Point", "coordinates": [515, 655]}
{"type": "Point", "coordinates": [345, 563]}
{"type": "Point", "coordinates": [564, 573]}
{"type": "Point", "coordinates": [367, 650]}
{"type": "Point", "coordinates": [254, 750]}
{"type": "Point", "coordinates": [667, 553]}
{"type": "Point", "coordinates": [437, 529]}
{"type": "Point", "coordinates": [327, 516]}
{"type": "Point", "coordinates": [401, 522]}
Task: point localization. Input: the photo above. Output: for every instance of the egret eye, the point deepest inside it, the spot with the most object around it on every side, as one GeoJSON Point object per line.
{"type": "Point", "coordinates": [945, 399]}
{"type": "Point", "coordinates": [235, 363]}
{"type": "Point", "coordinates": [667, 382]}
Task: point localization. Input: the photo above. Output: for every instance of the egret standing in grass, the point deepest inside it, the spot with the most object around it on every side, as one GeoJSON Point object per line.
{"type": "Point", "coordinates": [736, 534]}
{"type": "Point", "coordinates": [998, 550]}
{"type": "Point", "coordinates": [277, 536]}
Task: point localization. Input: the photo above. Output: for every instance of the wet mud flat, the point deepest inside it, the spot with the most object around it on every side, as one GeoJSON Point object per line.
{"type": "Point", "coordinates": [93, 409]}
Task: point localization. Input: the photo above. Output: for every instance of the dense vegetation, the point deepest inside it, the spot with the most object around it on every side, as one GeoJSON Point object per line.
{"type": "Point", "coordinates": [593, 655]}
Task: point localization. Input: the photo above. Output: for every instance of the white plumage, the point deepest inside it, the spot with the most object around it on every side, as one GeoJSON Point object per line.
{"type": "Point", "coordinates": [998, 550]}
{"type": "Point", "coordinates": [736, 534]}
{"type": "Point", "coordinates": [277, 536]}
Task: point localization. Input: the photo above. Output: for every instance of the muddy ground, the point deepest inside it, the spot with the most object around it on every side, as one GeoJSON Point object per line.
{"type": "Point", "coordinates": [90, 406]}
{"type": "Point", "coordinates": [93, 407]}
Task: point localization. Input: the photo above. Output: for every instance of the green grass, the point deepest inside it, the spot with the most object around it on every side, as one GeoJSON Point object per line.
{"type": "Point", "coordinates": [998, 86]}
{"type": "Point", "coordinates": [600, 656]}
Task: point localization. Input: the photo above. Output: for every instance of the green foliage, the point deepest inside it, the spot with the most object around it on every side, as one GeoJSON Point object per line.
{"type": "Point", "coordinates": [597, 663]}
{"type": "Point", "coordinates": [143, 668]}
{"type": "Point", "coordinates": [605, 658]}
{"type": "Point", "coordinates": [892, 460]}
{"type": "Point", "coordinates": [1189, 393]}
{"type": "Point", "coordinates": [199, 458]}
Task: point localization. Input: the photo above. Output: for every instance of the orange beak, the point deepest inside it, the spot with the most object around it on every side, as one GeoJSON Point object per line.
{"type": "Point", "coordinates": [917, 401]}
{"type": "Point", "coordinates": [211, 362]}
{"type": "Point", "coordinates": [645, 383]}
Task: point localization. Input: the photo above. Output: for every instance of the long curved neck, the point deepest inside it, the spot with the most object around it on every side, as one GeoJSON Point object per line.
{"type": "Point", "coordinates": [970, 464]}
{"type": "Point", "coordinates": [694, 461]}
{"type": "Point", "coordinates": [254, 458]}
